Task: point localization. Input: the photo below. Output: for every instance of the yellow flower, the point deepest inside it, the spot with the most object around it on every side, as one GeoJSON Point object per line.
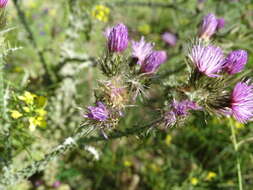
{"type": "Point", "coordinates": [36, 121]}
{"type": "Point", "coordinates": [194, 181]}
{"type": "Point", "coordinates": [127, 163]}
{"type": "Point", "coordinates": [16, 114]}
{"type": "Point", "coordinates": [101, 13]}
{"type": "Point", "coordinates": [41, 112]}
{"type": "Point", "coordinates": [144, 29]}
{"type": "Point", "coordinates": [28, 97]}
{"type": "Point", "coordinates": [26, 109]}
{"type": "Point", "coordinates": [168, 139]}
{"type": "Point", "coordinates": [210, 176]}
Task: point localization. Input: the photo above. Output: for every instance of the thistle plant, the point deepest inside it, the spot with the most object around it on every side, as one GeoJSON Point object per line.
{"type": "Point", "coordinates": [214, 84]}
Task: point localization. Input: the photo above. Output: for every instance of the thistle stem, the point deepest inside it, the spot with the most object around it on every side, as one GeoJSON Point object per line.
{"type": "Point", "coordinates": [238, 161]}
{"type": "Point", "coordinates": [11, 177]}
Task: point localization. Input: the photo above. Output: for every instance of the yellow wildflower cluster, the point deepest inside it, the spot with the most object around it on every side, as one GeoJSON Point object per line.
{"type": "Point", "coordinates": [101, 13]}
{"type": "Point", "coordinates": [210, 176]}
{"type": "Point", "coordinates": [32, 109]}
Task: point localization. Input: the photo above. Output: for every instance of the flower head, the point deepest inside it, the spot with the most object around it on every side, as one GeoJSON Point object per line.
{"type": "Point", "coordinates": [235, 61]}
{"type": "Point", "coordinates": [208, 27]}
{"type": "Point", "coordinates": [153, 61]}
{"type": "Point", "coordinates": [242, 101]}
{"type": "Point", "coordinates": [141, 50]}
{"type": "Point", "coordinates": [182, 108]}
{"type": "Point", "coordinates": [117, 40]}
{"type": "Point", "coordinates": [3, 3]}
{"type": "Point", "coordinates": [210, 24]}
{"type": "Point", "coordinates": [221, 23]}
{"type": "Point", "coordinates": [169, 38]}
{"type": "Point", "coordinates": [208, 60]}
{"type": "Point", "coordinates": [98, 113]}
{"type": "Point", "coordinates": [179, 109]}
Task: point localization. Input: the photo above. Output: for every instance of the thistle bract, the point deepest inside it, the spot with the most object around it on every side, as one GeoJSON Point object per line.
{"type": "Point", "coordinates": [169, 38]}
{"type": "Point", "coordinates": [3, 3]}
{"type": "Point", "coordinates": [153, 61]}
{"type": "Point", "coordinates": [141, 50]}
{"type": "Point", "coordinates": [117, 38]}
{"type": "Point", "coordinates": [98, 113]}
{"type": "Point", "coordinates": [208, 60]}
{"type": "Point", "coordinates": [242, 101]}
{"type": "Point", "coordinates": [235, 61]}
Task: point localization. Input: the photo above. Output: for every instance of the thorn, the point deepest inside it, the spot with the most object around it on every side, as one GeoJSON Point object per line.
{"type": "Point", "coordinates": [104, 134]}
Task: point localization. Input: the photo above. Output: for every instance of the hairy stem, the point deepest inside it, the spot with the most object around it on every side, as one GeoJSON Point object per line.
{"type": "Point", "coordinates": [11, 177]}
{"type": "Point", "coordinates": [81, 136]}
{"type": "Point", "coordinates": [238, 161]}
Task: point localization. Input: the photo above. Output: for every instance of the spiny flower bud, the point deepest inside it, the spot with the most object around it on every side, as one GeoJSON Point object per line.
{"type": "Point", "coordinates": [235, 61]}
{"type": "Point", "coordinates": [98, 113]}
{"type": "Point", "coordinates": [117, 40]}
{"type": "Point", "coordinates": [141, 50]}
{"type": "Point", "coordinates": [169, 38]}
{"type": "Point", "coordinates": [3, 3]}
{"type": "Point", "coordinates": [153, 61]}
{"type": "Point", "coordinates": [208, 60]}
{"type": "Point", "coordinates": [210, 24]}
{"type": "Point", "coordinates": [242, 101]}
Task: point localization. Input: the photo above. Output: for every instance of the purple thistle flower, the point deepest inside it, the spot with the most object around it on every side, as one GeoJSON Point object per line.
{"type": "Point", "coordinates": [182, 108]}
{"type": "Point", "coordinates": [98, 113]}
{"type": "Point", "coordinates": [242, 101]}
{"type": "Point", "coordinates": [179, 109]}
{"type": "Point", "coordinates": [117, 38]}
{"type": "Point", "coordinates": [235, 61]}
{"type": "Point", "coordinates": [57, 184]}
{"type": "Point", "coordinates": [201, 1]}
{"type": "Point", "coordinates": [210, 24]}
{"type": "Point", "coordinates": [207, 59]}
{"type": "Point", "coordinates": [221, 23]}
{"type": "Point", "coordinates": [141, 50]}
{"type": "Point", "coordinates": [170, 118]}
{"type": "Point", "coordinates": [153, 61]}
{"type": "Point", "coordinates": [169, 38]}
{"type": "Point", "coordinates": [3, 3]}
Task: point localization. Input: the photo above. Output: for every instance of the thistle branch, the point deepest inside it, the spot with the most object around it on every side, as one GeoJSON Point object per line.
{"type": "Point", "coordinates": [12, 177]}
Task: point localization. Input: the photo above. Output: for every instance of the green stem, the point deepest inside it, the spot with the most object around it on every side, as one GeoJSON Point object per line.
{"type": "Point", "coordinates": [80, 136]}
{"type": "Point", "coordinates": [238, 162]}
{"type": "Point", "coordinates": [11, 177]}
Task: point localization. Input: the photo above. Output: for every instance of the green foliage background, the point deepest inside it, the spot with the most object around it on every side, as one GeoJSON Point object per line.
{"type": "Point", "coordinates": [146, 161]}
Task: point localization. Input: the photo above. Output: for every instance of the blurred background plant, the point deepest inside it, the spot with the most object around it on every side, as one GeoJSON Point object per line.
{"type": "Point", "coordinates": [54, 74]}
